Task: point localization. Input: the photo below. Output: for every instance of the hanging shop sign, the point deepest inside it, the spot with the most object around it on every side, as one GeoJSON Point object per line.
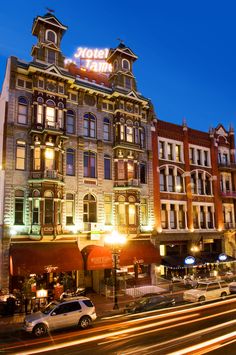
{"type": "Point", "coordinates": [91, 59]}
{"type": "Point", "coordinates": [222, 257]}
{"type": "Point", "coordinates": [189, 260]}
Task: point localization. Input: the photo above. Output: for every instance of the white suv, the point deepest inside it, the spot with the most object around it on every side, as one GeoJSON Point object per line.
{"type": "Point", "coordinates": [75, 312]}
{"type": "Point", "coordinates": [207, 290]}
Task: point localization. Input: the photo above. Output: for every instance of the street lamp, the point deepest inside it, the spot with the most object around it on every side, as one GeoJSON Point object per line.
{"type": "Point", "coordinates": [115, 240]}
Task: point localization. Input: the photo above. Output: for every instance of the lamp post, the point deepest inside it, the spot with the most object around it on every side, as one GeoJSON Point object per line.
{"type": "Point", "coordinates": [115, 240]}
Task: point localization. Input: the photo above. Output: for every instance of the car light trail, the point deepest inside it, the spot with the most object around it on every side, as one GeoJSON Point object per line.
{"type": "Point", "coordinates": [201, 348]}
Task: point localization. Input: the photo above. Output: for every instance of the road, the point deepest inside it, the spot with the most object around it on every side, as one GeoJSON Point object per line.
{"type": "Point", "coordinates": [191, 329]}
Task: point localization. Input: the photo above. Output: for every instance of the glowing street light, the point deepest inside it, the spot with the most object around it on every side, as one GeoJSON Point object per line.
{"type": "Point", "coordinates": [115, 240]}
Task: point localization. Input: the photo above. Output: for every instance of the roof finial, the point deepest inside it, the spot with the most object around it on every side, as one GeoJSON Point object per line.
{"type": "Point", "coordinates": [120, 40]}
{"type": "Point", "coordinates": [50, 10]}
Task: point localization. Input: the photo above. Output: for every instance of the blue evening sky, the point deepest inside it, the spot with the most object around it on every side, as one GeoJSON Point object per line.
{"type": "Point", "coordinates": [186, 48]}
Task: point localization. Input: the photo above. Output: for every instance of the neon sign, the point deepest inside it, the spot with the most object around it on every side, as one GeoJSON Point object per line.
{"type": "Point", "coordinates": [91, 59]}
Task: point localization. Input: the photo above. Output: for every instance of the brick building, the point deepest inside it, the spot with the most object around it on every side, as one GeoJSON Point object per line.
{"type": "Point", "coordinates": [194, 205]}
{"type": "Point", "coordinates": [76, 164]}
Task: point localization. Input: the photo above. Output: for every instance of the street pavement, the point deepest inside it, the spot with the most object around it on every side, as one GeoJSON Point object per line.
{"type": "Point", "coordinates": [104, 308]}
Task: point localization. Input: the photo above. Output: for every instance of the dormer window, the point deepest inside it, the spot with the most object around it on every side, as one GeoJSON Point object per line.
{"type": "Point", "coordinates": [51, 36]}
{"type": "Point", "coordinates": [125, 64]}
{"type": "Point", "coordinates": [127, 82]}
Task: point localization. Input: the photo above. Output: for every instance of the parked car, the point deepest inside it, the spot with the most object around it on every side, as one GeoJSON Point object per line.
{"type": "Point", "coordinates": [232, 287]}
{"type": "Point", "coordinates": [77, 312]}
{"type": "Point", "coordinates": [149, 303]}
{"type": "Point", "coordinates": [207, 290]}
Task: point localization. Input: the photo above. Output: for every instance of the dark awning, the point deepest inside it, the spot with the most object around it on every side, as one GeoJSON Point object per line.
{"type": "Point", "coordinates": [97, 257]}
{"type": "Point", "coordinates": [39, 258]}
{"type": "Point", "coordinates": [209, 258]}
{"type": "Point", "coordinates": [141, 251]}
{"type": "Point", "coordinates": [176, 261]}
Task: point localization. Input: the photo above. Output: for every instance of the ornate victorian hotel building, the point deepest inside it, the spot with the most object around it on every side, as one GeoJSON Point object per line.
{"type": "Point", "coordinates": [82, 154]}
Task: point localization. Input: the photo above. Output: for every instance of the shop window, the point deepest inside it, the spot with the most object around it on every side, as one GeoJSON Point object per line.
{"type": "Point", "coordinates": [22, 110]}
{"type": "Point", "coordinates": [89, 125]}
{"type": "Point", "coordinates": [107, 167]}
{"type": "Point", "coordinates": [70, 208]}
{"type": "Point", "coordinates": [90, 209]}
{"type": "Point", "coordinates": [20, 155]}
{"type": "Point", "coordinates": [89, 164]}
{"type": "Point", "coordinates": [48, 207]}
{"type": "Point", "coordinates": [106, 129]}
{"type": "Point", "coordinates": [70, 122]}
{"type": "Point", "coordinates": [19, 207]}
{"type": "Point", "coordinates": [70, 162]}
{"type": "Point", "coordinates": [108, 209]}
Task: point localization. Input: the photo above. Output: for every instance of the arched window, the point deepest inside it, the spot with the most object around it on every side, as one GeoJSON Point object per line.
{"type": "Point", "coordinates": [48, 207]}
{"type": "Point", "coordinates": [90, 209]}
{"type": "Point", "coordinates": [70, 122]}
{"type": "Point", "coordinates": [51, 36]}
{"type": "Point", "coordinates": [171, 180]}
{"type": "Point", "coordinates": [106, 129]}
{"type": "Point", "coordinates": [90, 164]}
{"type": "Point", "coordinates": [50, 113]}
{"type": "Point", "coordinates": [121, 215]}
{"type": "Point", "coordinates": [70, 162]}
{"type": "Point", "coordinates": [22, 110]}
{"type": "Point", "coordinates": [19, 207]}
{"type": "Point", "coordinates": [89, 125]}
{"type": "Point", "coordinates": [132, 210]}
{"type": "Point", "coordinates": [40, 110]}
{"type": "Point", "coordinates": [125, 64]}
{"type": "Point", "coordinates": [20, 154]}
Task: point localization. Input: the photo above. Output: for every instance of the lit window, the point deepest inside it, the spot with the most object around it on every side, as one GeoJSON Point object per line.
{"type": "Point", "coordinates": [122, 132]}
{"type": "Point", "coordinates": [129, 134]}
{"type": "Point", "coordinates": [121, 170]}
{"type": "Point", "coordinates": [132, 214]}
{"type": "Point", "coordinates": [108, 209]}
{"type": "Point", "coordinates": [90, 209]}
{"type": "Point", "coordinates": [70, 122]}
{"type": "Point", "coordinates": [181, 217]}
{"type": "Point", "coordinates": [164, 221]}
{"type": "Point", "coordinates": [121, 214]}
{"type": "Point", "coordinates": [179, 183]}
{"type": "Point", "coordinates": [50, 113]}
{"type": "Point", "coordinates": [107, 167]}
{"type": "Point", "coordinates": [143, 212]}
{"type": "Point", "coordinates": [22, 110]}
{"type": "Point", "coordinates": [70, 162]}
{"type": "Point", "coordinates": [40, 114]}
{"type": "Point", "coordinates": [20, 155]}
{"type": "Point", "coordinates": [130, 169]}
{"type": "Point", "coordinates": [70, 209]}
{"type": "Point", "coordinates": [49, 158]}
{"type": "Point", "coordinates": [35, 207]}
{"type": "Point", "coordinates": [60, 115]}
{"type": "Point", "coordinates": [177, 152]}
{"type": "Point", "coordinates": [89, 164]}
{"type": "Point", "coordinates": [89, 125]}
{"type": "Point", "coordinates": [19, 207]}
{"type": "Point", "coordinates": [37, 158]}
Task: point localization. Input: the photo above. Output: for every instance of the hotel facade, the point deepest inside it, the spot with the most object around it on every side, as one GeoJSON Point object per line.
{"type": "Point", "coordinates": [83, 154]}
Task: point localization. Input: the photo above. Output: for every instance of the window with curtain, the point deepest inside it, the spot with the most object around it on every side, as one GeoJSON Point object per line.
{"type": "Point", "coordinates": [50, 113]}
{"type": "Point", "coordinates": [164, 219]}
{"type": "Point", "coordinates": [121, 170]}
{"type": "Point", "coordinates": [89, 164]}
{"type": "Point", "coordinates": [89, 125]}
{"type": "Point", "coordinates": [19, 207]}
{"type": "Point", "coordinates": [22, 110]}
{"type": "Point", "coordinates": [108, 209]}
{"type": "Point", "coordinates": [70, 162]}
{"type": "Point", "coordinates": [20, 155]}
{"type": "Point", "coordinates": [37, 158]}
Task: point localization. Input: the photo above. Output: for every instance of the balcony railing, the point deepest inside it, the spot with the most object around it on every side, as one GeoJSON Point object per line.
{"type": "Point", "coordinates": [229, 225]}
{"type": "Point", "coordinates": [227, 165]}
{"type": "Point", "coordinates": [231, 194]}
{"type": "Point", "coordinates": [47, 174]}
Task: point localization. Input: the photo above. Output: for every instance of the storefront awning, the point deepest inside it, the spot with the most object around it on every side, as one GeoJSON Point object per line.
{"type": "Point", "coordinates": [141, 251]}
{"type": "Point", "coordinates": [97, 257]}
{"type": "Point", "coordinates": [39, 258]}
